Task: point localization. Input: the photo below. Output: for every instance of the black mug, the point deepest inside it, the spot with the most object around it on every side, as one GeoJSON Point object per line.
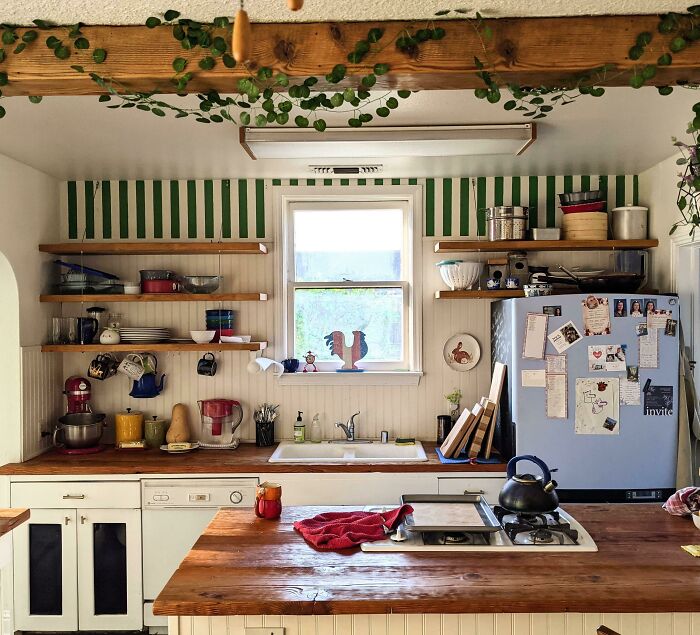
{"type": "Point", "coordinates": [102, 367]}
{"type": "Point", "coordinates": [290, 365]}
{"type": "Point", "coordinates": [444, 427]}
{"type": "Point", "coordinates": [207, 365]}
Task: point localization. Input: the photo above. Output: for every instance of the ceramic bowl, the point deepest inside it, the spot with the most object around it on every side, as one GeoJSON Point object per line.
{"type": "Point", "coordinates": [236, 339]}
{"type": "Point", "coordinates": [202, 337]}
{"type": "Point", "coordinates": [460, 274]}
{"type": "Point", "coordinates": [696, 519]}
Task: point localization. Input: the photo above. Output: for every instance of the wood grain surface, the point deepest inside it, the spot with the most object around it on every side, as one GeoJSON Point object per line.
{"type": "Point", "coordinates": [249, 566]}
{"type": "Point", "coordinates": [161, 248]}
{"type": "Point", "coordinates": [454, 246]}
{"type": "Point", "coordinates": [525, 51]}
{"type": "Point", "coordinates": [247, 459]}
{"type": "Point", "coordinates": [11, 518]}
{"type": "Point", "coordinates": [157, 297]}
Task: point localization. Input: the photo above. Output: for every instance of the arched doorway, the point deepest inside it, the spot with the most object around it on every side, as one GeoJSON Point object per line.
{"type": "Point", "coordinates": [10, 366]}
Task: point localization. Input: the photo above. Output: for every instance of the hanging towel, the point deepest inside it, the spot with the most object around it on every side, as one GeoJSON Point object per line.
{"type": "Point", "coordinates": [685, 501]}
{"type": "Point", "coordinates": [342, 530]}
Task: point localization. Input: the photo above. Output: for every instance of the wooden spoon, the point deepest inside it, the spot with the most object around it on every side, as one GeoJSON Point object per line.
{"type": "Point", "coordinates": [242, 39]}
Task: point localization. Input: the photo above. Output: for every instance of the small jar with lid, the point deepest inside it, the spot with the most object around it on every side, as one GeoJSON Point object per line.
{"type": "Point", "coordinates": [155, 430]}
{"type": "Point", "coordinates": [128, 426]}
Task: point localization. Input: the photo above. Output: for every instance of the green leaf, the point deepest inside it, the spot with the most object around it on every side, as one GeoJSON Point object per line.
{"type": "Point", "coordinates": [228, 60]}
{"type": "Point", "coordinates": [268, 105]}
{"type": "Point", "coordinates": [677, 44]}
{"type": "Point", "coordinates": [481, 93]}
{"type": "Point", "coordinates": [348, 94]}
{"type": "Point", "coordinates": [2, 112]}
{"type": "Point", "coordinates": [245, 118]}
{"type": "Point", "coordinates": [153, 22]}
{"type": "Point", "coordinates": [52, 42]}
{"type": "Point", "coordinates": [664, 60]}
{"type": "Point", "coordinates": [598, 91]}
{"type": "Point", "coordinates": [82, 43]}
{"type": "Point", "coordinates": [354, 122]}
{"type": "Point", "coordinates": [644, 38]}
{"type": "Point", "coordinates": [442, 12]}
{"type": "Point", "coordinates": [282, 118]}
{"type": "Point", "coordinates": [320, 125]}
{"type": "Point", "coordinates": [487, 33]}
{"type": "Point", "coordinates": [510, 105]}
{"type": "Point", "coordinates": [207, 63]}
{"type": "Point", "coordinates": [381, 69]}
{"type": "Point", "coordinates": [43, 24]}
{"type": "Point", "coordinates": [179, 64]}
{"type": "Point", "coordinates": [664, 90]}
{"type": "Point", "coordinates": [375, 35]}
{"type": "Point", "coordinates": [636, 52]}
{"type": "Point", "coordinates": [354, 57]}
{"type": "Point", "coordinates": [171, 15]}
{"type": "Point", "coordinates": [494, 96]}
{"type": "Point", "coordinates": [157, 112]}
{"type": "Point", "coordinates": [78, 69]}
{"type": "Point", "coordinates": [62, 52]}
{"type": "Point", "coordinates": [8, 36]}
{"type": "Point", "coordinates": [636, 81]}
{"type": "Point", "coordinates": [178, 32]}
{"type": "Point", "coordinates": [285, 106]}
{"type": "Point", "coordinates": [363, 94]}
{"type": "Point", "coordinates": [99, 56]}
{"type": "Point", "coordinates": [35, 99]}
{"type": "Point", "coordinates": [383, 111]}
{"type": "Point", "coordinates": [392, 103]}
{"type": "Point", "coordinates": [104, 98]}
{"type": "Point", "coordinates": [682, 203]}
{"type": "Point", "coordinates": [216, 118]}
{"type": "Point", "coordinates": [264, 72]}
{"type": "Point", "coordinates": [301, 122]}
{"type": "Point", "coordinates": [221, 22]}
{"type": "Point", "coordinates": [366, 117]}
{"type": "Point", "coordinates": [19, 48]}
{"type": "Point", "coordinates": [337, 100]}
{"type": "Point", "coordinates": [281, 79]}
{"type": "Point", "coordinates": [218, 46]}
{"type": "Point", "coordinates": [362, 47]}
{"type": "Point", "coordinates": [145, 107]}
{"type": "Point", "coordinates": [404, 94]}
{"type": "Point", "coordinates": [260, 121]}
{"type": "Point", "coordinates": [649, 71]}
{"type": "Point", "coordinates": [30, 36]}
{"type": "Point", "coordinates": [369, 80]}
{"type": "Point", "coordinates": [202, 120]}
{"type": "Point", "coordinates": [310, 81]}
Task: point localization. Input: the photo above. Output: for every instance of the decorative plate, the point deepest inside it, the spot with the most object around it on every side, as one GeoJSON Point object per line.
{"type": "Point", "coordinates": [462, 352]}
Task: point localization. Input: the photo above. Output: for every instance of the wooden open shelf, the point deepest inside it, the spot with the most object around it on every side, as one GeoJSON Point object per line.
{"type": "Point", "coordinates": [158, 297]}
{"type": "Point", "coordinates": [479, 294]}
{"type": "Point", "coordinates": [452, 246]}
{"type": "Point", "coordinates": [145, 248]}
{"type": "Point", "coordinates": [171, 347]}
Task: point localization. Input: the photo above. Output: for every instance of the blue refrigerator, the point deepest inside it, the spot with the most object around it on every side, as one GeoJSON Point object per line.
{"type": "Point", "coordinates": [626, 453]}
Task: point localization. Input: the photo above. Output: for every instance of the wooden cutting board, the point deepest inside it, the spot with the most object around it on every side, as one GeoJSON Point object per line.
{"type": "Point", "coordinates": [446, 515]}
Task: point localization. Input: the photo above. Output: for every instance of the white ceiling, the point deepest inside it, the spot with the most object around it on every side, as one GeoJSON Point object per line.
{"type": "Point", "coordinates": [136, 11]}
{"type": "Point", "coordinates": [623, 132]}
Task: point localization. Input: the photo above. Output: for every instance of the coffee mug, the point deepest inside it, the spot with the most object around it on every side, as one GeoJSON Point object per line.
{"type": "Point", "coordinates": [290, 365]}
{"type": "Point", "coordinates": [268, 500]}
{"type": "Point", "coordinates": [207, 365]}
{"type": "Point", "coordinates": [87, 329]}
{"type": "Point", "coordinates": [102, 367]}
{"type": "Point", "coordinates": [132, 366]}
{"type": "Point", "coordinates": [493, 283]}
{"type": "Point", "coordinates": [512, 283]}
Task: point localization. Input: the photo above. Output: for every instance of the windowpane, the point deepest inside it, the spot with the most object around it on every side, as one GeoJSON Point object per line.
{"type": "Point", "coordinates": [378, 312]}
{"type": "Point", "coordinates": [357, 245]}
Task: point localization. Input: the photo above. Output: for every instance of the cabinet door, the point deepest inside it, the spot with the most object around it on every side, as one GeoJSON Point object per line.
{"type": "Point", "coordinates": [109, 569]}
{"type": "Point", "coordinates": [45, 568]}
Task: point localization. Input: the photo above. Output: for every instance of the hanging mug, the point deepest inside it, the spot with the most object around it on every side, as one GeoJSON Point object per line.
{"type": "Point", "coordinates": [207, 365]}
{"type": "Point", "coordinates": [132, 367]}
{"type": "Point", "coordinates": [268, 500]}
{"type": "Point", "coordinates": [102, 367]}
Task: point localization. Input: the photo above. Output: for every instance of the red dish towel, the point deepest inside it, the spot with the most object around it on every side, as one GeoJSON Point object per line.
{"type": "Point", "coordinates": [342, 530]}
{"type": "Point", "coordinates": [685, 501]}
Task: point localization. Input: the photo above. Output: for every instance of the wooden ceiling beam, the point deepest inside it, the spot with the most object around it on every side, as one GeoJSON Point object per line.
{"type": "Point", "coordinates": [529, 51]}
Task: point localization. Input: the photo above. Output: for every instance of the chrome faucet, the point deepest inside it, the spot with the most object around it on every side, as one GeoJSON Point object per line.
{"type": "Point", "coordinates": [348, 428]}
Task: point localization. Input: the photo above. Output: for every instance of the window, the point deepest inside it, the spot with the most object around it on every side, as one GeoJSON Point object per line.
{"type": "Point", "coordinates": [348, 271]}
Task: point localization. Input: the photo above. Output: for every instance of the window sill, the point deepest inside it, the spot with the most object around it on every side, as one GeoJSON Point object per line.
{"type": "Point", "coordinates": [367, 378]}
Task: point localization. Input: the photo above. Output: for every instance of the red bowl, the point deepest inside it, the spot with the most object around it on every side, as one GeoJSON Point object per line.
{"type": "Point", "coordinates": [219, 332]}
{"type": "Point", "coordinates": [159, 286]}
{"type": "Point", "coordinates": [596, 206]}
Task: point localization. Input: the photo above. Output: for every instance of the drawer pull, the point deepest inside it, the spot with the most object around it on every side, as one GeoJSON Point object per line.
{"type": "Point", "coordinates": [66, 520]}
{"type": "Point", "coordinates": [83, 519]}
{"type": "Point", "coordinates": [467, 492]}
{"type": "Point", "coordinates": [77, 497]}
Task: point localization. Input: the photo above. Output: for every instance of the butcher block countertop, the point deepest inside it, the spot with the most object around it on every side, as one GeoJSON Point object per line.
{"type": "Point", "coordinates": [248, 458]}
{"type": "Point", "coordinates": [249, 566]}
{"type": "Point", "coordinates": [12, 518]}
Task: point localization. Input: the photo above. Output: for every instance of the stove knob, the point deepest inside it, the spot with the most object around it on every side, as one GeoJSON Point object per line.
{"type": "Point", "coordinates": [236, 497]}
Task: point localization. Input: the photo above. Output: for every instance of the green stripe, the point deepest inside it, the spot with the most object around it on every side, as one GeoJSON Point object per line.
{"type": "Point", "coordinates": [568, 184]}
{"type": "Point", "coordinates": [276, 181]}
{"type": "Point", "coordinates": [345, 181]}
{"type": "Point", "coordinates": [259, 208]}
{"type": "Point", "coordinates": [396, 181]}
{"type": "Point", "coordinates": [208, 209]}
{"type": "Point", "coordinates": [294, 181]}
{"type": "Point", "coordinates": [191, 209]}
{"type": "Point", "coordinates": [551, 202]}
{"type": "Point", "coordinates": [140, 209]}
{"type": "Point", "coordinates": [603, 186]}
{"type": "Point", "coordinates": [310, 181]}
{"type": "Point", "coordinates": [585, 183]}
{"type": "Point", "coordinates": [226, 208]}
{"type": "Point", "coordinates": [379, 181]}
{"type": "Point", "coordinates": [481, 206]}
{"type": "Point", "coordinates": [72, 210]}
{"type": "Point", "coordinates": [328, 181]}
{"type": "Point", "coordinates": [464, 207]}
{"type": "Point", "coordinates": [413, 181]}
{"type": "Point", "coordinates": [157, 209]}
{"type": "Point", "coordinates": [362, 181]}
{"type": "Point", "coordinates": [498, 191]}
{"type": "Point", "coordinates": [243, 208]}
{"type": "Point", "coordinates": [430, 207]}
{"type": "Point", "coordinates": [515, 191]}
{"type": "Point", "coordinates": [533, 199]}
{"type": "Point", "coordinates": [89, 209]}
{"type": "Point", "coordinates": [447, 207]}
{"type": "Point", "coordinates": [106, 209]}
{"type": "Point", "coordinates": [620, 191]}
{"type": "Point", "coordinates": [174, 209]}
{"type": "Point", "coordinates": [635, 190]}
{"type": "Point", "coordinates": [123, 209]}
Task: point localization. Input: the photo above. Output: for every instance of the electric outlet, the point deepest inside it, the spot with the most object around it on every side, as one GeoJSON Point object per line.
{"type": "Point", "coordinates": [263, 630]}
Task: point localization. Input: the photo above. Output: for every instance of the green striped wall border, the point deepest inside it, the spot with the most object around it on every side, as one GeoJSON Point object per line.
{"type": "Point", "coordinates": [240, 209]}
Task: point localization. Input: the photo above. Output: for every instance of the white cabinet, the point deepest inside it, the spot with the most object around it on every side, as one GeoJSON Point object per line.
{"type": "Point", "coordinates": [78, 569]}
{"type": "Point", "coordinates": [488, 486]}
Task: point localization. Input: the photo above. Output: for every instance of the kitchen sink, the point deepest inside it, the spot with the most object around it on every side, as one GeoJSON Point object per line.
{"type": "Point", "coordinates": [290, 452]}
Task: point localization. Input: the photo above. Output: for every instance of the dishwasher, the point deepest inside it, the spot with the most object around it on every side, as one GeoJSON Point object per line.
{"type": "Point", "coordinates": [174, 515]}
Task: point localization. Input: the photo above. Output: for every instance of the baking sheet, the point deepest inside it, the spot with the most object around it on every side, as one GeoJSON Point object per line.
{"type": "Point", "coordinates": [444, 512]}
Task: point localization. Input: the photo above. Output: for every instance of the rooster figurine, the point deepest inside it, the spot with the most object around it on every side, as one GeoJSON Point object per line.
{"type": "Point", "coordinates": [349, 354]}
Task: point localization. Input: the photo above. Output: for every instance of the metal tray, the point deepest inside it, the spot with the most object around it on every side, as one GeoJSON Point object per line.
{"type": "Point", "coordinates": [489, 523]}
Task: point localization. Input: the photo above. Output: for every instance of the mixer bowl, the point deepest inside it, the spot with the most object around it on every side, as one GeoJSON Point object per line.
{"type": "Point", "coordinates": [79, 430]}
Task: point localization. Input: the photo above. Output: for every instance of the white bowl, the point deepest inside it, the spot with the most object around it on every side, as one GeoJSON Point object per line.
{"type": "Point", "coordinates": [132, 288]}
{"type": "Point", "coordinates": [202, 337]}
{"type": "Point", "coordinates": [460, 274]}
{"type": "Point", "coordinates": [236, 339]}
{"type": "Point", "coordinates": [696, 519]}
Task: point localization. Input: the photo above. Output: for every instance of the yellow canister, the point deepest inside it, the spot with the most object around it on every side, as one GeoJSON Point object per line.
{"type": "Point", "coordinates": [128, 426]}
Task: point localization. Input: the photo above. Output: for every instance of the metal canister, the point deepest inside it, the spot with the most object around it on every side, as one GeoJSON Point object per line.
{"type": "Point", "coordinates": [128, 426]}
{"type": "Point", "coordinates": [507, 222]}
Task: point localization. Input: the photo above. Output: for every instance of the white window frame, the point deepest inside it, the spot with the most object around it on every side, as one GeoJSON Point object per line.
{"type": "Point", "coordinates": [408, 198]}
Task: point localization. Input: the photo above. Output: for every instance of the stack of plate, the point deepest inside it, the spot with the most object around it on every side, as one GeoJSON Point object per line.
{"type": "Point", "coordinates": [144, 334]}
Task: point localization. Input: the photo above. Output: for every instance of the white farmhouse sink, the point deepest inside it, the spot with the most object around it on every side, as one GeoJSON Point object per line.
{"type": "Point", "coordinates": [290, 452]}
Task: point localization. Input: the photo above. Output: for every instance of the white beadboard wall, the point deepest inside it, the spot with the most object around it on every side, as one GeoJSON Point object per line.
{"type": "Point", "coordinates": [446, 624]}
{"type": "Point", "coordinates": [42, 402]}
{"type": "Point", "coordinates": [403, 410]}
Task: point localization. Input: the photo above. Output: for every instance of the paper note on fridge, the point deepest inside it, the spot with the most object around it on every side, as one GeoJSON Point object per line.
{"type": "Point", "coordinates": [555, 397]}
{"type": "Point", "coordinates": [556, 364]}
{"type": "Point", "coordinates": [565, 336]}
{"type": "Point", "coordinates": [533, 378]}
{"type": "Point", "coordinates": [656, 319]}
{"type": "Point", "coordinates": [535, 334]}
{"type": "Point", "coordinates": [630, 393]}
{"type": "Point", "coordinates": [597, 406]}
{"type": "Point", "coordinates": [649, 349]}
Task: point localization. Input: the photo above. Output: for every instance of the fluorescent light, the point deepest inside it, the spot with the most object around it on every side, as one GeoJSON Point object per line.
{"type": "Point", "coordinates": [398, 141]}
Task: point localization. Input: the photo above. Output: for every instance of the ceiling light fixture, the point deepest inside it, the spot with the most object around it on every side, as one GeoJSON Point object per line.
{"type": "Point", "coordinates": [388, 141]}
{"type": "Point", "coordinates": [346, 169]}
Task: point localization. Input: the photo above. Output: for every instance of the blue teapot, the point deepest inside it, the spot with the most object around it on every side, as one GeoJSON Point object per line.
{"type": "Point", "coordinates": [147, 387]}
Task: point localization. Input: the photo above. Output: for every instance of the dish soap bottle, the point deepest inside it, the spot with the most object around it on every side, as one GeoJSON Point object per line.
{"type": "Point", "coordinates": [315, 430]}
{"type": "Point", "coordinates": [299, 429]}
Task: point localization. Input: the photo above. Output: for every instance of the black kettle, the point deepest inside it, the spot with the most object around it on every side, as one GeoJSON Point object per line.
{"type": "Point", "coordinates": [526, 493]}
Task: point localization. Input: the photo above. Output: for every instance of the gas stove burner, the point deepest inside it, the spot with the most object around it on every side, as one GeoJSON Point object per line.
{"type": "Point", "coordinates": [542, 536]}
{"type": "Point", "coordinates": [536, 529]}
{"type": "Point", "coordinates": [454, 538]}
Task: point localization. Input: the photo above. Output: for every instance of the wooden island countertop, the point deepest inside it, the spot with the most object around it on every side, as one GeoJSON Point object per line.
{"type": "Point", "coordinates": [242, 565]}
{"type": "Point", "coordinates": [12, 518]}
{"type": "Point", "coordinates": [246, 459]}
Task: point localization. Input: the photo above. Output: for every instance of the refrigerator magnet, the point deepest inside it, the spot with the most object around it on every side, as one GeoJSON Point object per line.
{"type": "Point", "coordinates": [671, 327]}
{"type": "Point", "coordinates": [658, 401]}
{"type": "Point", "coordinates": [535, 335]}
{"type": "Point", "coordinates": [596, 316]}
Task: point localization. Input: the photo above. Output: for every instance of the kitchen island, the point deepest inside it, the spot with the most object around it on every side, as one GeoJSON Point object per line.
{"type": "Point", "coordinates": [260, 572]}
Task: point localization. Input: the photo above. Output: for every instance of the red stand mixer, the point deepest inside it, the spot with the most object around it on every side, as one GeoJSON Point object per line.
{"type": "Point", "coordinates": [79, 430]}
{"type": "Point", "coordinates": [78, 392]}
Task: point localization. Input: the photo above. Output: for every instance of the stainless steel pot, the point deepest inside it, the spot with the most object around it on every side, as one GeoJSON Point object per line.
{"type": "Point", "coordinates": [507, 222]}
{"type": "Point", "coordinates": [630, 222]}
{"type": "Point", "coordinates": [79, 430]}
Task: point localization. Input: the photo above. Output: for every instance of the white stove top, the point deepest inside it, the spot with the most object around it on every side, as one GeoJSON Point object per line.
{"type": "Point", "coordinates": [496, 541]}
